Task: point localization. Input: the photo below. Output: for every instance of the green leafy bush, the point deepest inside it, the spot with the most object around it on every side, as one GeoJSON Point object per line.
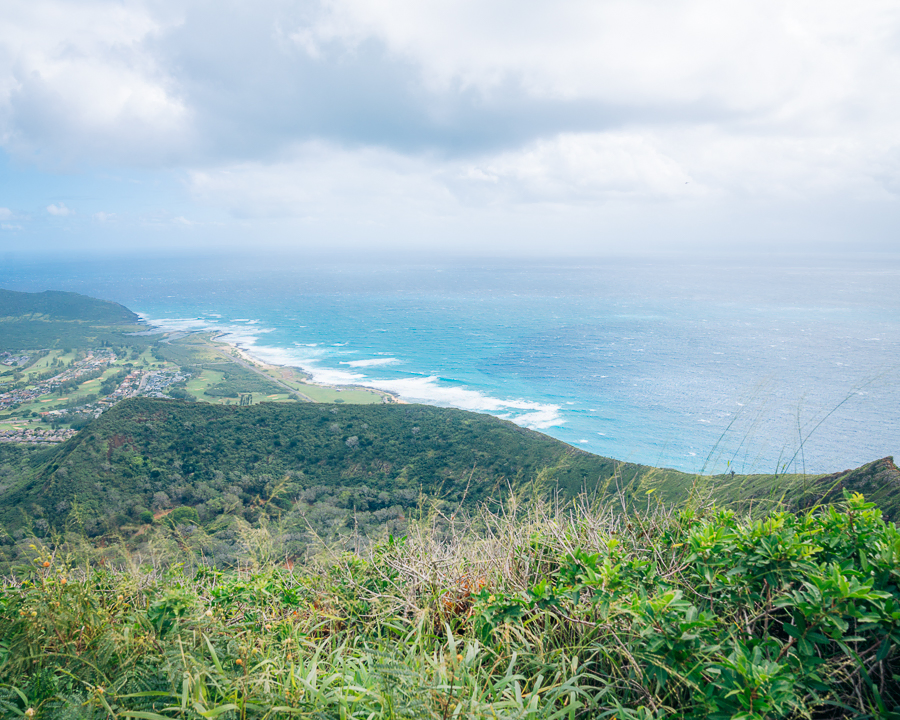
{"type": "Point", "coordinates": [576, 613]}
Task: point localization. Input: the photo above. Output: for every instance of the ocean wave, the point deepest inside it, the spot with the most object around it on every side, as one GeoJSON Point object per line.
{"type": "Point", "coordinates": [177, 324]}
{"type": "Point", "coordinates": [373, 362]}
{"type": "Point", "coordinates": [534, 415]}
{"type": "Point", "coordinates": [428, 389]}
{"type": "Point", "coordinates": [239, 335]}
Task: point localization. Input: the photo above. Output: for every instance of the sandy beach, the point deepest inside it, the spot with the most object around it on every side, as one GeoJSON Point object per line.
{"type": "Point", "coordinates": [288, 375]}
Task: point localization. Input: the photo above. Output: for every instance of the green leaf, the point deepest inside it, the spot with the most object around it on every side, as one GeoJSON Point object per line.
{"type": "Point", "coordinates": [792, 630]}
{"type": "Point", "coordinates": [215, 712]}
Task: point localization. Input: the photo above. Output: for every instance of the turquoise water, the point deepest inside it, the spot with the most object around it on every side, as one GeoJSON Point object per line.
{"type": "Point", "coordinates": [692, 365]}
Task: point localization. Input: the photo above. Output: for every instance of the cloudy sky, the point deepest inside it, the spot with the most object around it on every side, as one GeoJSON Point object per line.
{"type": "Point", "coordinates": [463, 126]}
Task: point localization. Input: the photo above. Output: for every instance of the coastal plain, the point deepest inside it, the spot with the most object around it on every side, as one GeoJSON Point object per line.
{"type": "Point", "coordinates": [60, 367]}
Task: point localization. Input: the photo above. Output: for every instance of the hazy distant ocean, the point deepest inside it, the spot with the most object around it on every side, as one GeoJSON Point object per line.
{"type": "Point", "coordinates": [683, 364]}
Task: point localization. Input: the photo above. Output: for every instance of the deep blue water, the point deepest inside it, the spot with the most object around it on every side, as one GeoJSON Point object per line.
{"type": "Point", "coordinates": [679, 363]}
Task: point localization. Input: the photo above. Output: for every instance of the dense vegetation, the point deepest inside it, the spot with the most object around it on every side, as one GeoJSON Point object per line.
{"type": "Point", "coordinates": [320, 474]}
{"type": "Point", "coordinates": [56, 305]}
{"type": "Point", "coordinates": [52, 319]}
{"type": "Point", "coordinates": [565, 612]}
{"type": "Point", "coordinates": [19, 461]}
{"type": "Point", "coordinates": [314, 470]}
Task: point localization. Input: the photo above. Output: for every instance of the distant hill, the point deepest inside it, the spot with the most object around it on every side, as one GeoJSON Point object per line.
{"type": "Point", "coordinates": [55, 305]}
{"type": "Point", "coordinates": [30, 321]}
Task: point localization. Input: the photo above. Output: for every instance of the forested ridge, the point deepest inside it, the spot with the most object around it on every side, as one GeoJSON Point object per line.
{"type": "Point", "coordinates": [327, 474]}
{"type": "Point", "coordinates": [144, 446]}
{"type": "Point", "coordinates": [58, 305]}
{"type": "Point", "coordinates": [309, 466]}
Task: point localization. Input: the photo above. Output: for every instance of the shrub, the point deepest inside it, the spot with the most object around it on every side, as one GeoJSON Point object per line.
{"type": "Point", "coordinates": [576, 613]}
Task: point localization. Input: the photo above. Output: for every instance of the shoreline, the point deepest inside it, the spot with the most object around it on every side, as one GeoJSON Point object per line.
{"type": "Point", "coordinates": [238, 344]}
{"type": "Point", "coordinates": [387, 396]}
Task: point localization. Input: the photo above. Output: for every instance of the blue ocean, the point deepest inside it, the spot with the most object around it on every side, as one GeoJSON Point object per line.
{"type": "Point", "coordinates": [700, 365]}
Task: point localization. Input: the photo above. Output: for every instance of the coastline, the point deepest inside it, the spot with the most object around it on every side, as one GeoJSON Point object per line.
{"type": "Point", "coordinates": [217, 339]}
{"type": "Point", "coordinates": [240, 344]}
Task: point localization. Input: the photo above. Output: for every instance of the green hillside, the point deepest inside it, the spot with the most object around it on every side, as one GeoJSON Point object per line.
{"type": "Point", "coordinates": [326, 473]}
{"type": "Point", "coordinates": [153, 454]}
{"type": "Point", "coordinates": [55, 305]}
{"type": "Point", "coordinates": [878, 481]}
{"type": "Point", "coordinates": [29, 321]}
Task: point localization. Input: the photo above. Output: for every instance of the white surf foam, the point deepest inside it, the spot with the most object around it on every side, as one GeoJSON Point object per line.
{"type": "Point", "coordinates": [373, 362]}
{"type": "Point", "coordinates": [537, 416]}
{"type": "Point", "coordinates": [238, 335]}
{"type": "Point", "coordinates": [428, 389]}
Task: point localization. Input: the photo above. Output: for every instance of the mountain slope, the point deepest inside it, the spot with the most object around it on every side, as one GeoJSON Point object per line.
{"type": "Point", "coordinates": [151, 453]}
{"type": "Point", "coordinates": [56, 305]}
{"type": "Point", "coordinates": [333, 466]}
{"type": "Point", "coordinates": [51, 319]}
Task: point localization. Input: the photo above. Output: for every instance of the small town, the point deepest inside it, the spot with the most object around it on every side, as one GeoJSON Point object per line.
{"type": "Point", "coordinates": [93, 363]}
{"type": "Point", "coordinates": [149, 383]}
{"type": "Point", "coordinates": [36, 436]}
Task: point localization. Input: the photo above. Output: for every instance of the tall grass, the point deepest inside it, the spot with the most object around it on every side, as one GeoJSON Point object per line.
{"type": "Point", "coordinates": [532, 611]}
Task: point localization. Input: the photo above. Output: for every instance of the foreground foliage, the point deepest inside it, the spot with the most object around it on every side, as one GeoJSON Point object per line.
{"type": "Point", "coordinates": [570, 613]}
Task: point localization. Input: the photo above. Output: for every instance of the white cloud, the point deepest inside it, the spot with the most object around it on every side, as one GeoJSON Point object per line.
{"type": "Point", "coordinates": [690, 165]}
{"type": "Point", "coordinates": [390, 118]}
{"type": "Point", "coordinates": [578, 168]}
{"type": "Point", "coordinates": [770, 56]}
{"type": "Point", "coordinates": [58, 210]}
{"type": "Point", "coordinates": [318, 179]}
{"type": "Point", "coordinates": [5, 213]}
{"type": "Point", "coordinates": [81, 80]}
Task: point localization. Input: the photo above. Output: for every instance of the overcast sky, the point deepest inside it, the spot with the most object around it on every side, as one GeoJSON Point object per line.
{"type": "Point", "coordinates": [463, 126]}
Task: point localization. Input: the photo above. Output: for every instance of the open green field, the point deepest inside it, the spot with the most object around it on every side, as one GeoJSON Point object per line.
{"type": "Point", "coordinates": [188, 351]}
{"type": "Point", "coordinates": [198, 384]}
{"type": "Point", "coordinates": [46, 362]}
{"type": "Point", "coordinates": [146, 359]}
{"type": "Point", "coordinates": [17, 423]}
{"type": "Point", "coordinates": [277, 397]}
{"type": "Point", "coordinates": [322, 393]}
